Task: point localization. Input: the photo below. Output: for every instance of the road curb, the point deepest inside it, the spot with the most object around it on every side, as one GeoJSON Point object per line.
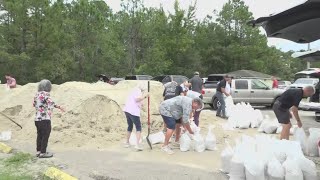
{"type": "Point", "coordinates": [5, 148]}
{"type": "Point", "coordinates": [54, 173]}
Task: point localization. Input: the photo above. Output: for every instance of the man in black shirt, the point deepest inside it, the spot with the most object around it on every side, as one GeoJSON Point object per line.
{"type": "Point", "coordinates": [221, 91]}
{"type": "Point", "coordinates": [290, 99]}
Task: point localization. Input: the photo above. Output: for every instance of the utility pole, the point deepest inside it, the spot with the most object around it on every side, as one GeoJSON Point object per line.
{"type": "Point", "coordinates": [308, 62]}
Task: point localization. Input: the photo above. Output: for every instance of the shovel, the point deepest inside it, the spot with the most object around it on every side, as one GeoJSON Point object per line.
{"type": "Point", "coordinates": [11, 120]}
{"type": "Point", "coordinates": [148, 140]}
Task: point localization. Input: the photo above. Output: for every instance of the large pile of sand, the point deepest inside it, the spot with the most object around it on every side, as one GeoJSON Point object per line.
{"type": "Point", "coordinates": [93, 112]}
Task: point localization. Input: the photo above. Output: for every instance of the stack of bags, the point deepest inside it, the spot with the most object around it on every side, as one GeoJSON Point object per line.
{"type": "Point", "coordinates": [264, 158]}
{"type": "Point", "coordinates": [196, 142]}
{"type": "Point", "coordinates": [243, 116]}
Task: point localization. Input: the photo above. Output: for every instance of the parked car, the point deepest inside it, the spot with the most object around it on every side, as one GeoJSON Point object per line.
{"type": "Point", "coordinates": [253, 91]}
{"type": "Point", "coordinates": [303, 82]}
{"type": "Point", "coordinates": [138, 77]}
{"type": "Point", "coordinates": [114, 80]}
{"type": "Point", "coordinates": [169, 78]}
{"type": "Point", "coordinates": [284, 84]}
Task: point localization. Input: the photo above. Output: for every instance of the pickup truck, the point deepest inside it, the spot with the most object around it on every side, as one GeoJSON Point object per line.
{"type": "Point", "coordinates": [253, 91]}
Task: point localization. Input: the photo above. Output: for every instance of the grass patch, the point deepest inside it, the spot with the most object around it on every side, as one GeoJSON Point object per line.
{"type": "Point", "coordinates": [18, 159]}
{"type": "Point", "coordinates": [9, 176]}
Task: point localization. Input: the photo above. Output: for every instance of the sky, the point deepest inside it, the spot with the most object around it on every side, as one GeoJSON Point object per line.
{"type": "Point", "coordinates": [257, 7]}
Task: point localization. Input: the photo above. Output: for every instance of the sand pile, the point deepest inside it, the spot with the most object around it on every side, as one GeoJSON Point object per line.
{"type": "Point", "coordinates": [93, 112]}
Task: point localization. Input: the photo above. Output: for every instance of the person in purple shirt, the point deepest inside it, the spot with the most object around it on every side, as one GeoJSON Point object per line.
{"type": "Point", "coordinates": [132, 110]}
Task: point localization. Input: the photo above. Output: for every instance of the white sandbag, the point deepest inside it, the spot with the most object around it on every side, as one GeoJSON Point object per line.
{"type": "Point", "coordinates": [229, 106]}
{"type": "Point", "coordinates": [211, 140]}
{"type": "Point", "coordinates": [263, 124]}
{"type": "Point", "coordinates": [5, 136]}
{"type": "Point", "coordinates": [254, 123]}
{"type": "Point", "coordinates": [237, 170]}
{"type": "Point", "coordinates": [226, 156]}
{"type": "Point", "coordinates": [133, 139]}
{"type": "Point", "coordinates": [300, 136]}
{"type": "Point", "coordinates": [259, 116]}
{"type": "Point", "coordinates": [194, 127]}
{"type": "Point", "coordinates": [292, 170]}
{"type": "Point", "coordinates": [270, 127]}
{"type": "Point", "coordinates": [199, 144]}
{"type": "Point", "coordinates": [254, 169]}
{"type": "Point", "coordinates": [275, 170]}
{"type": "Point", "coordinates": [157, 138]}
{"type": "Point", "coordinates": [308, 168]}
{"type": "Point", "coordinates": [244, 123]}
{"type": "Point", "coordinates": [281, 156]}
{"type": "Point", "coordinates": [312, 142]}
{"type": "Point", "coordinates": [185, 142]}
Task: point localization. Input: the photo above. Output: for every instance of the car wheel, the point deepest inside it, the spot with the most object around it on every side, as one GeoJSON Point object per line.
{"type": "Point", "coordinates": [216, 104]}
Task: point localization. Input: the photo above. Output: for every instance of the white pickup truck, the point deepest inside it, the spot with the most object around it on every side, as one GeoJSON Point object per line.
{"type": "Point", "coordinates": [253, 91]}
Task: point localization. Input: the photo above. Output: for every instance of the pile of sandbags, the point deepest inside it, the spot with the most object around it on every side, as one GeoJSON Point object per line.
{"type": "Point", "coordinates": [196, 142]}
{"type": "Point", "coordinates": [309, 145]}
{"type": "Point", "coordinates": [265, 158]}
{"type": "Point", "coordinates": [243, 116]}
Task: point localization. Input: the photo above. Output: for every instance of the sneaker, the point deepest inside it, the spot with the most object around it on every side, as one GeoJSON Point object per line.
{"type": "Point", "coordinates": [38, 153]}
{"type": "Point", "coordinates": [175, 145]}
{"type": "Point", "coordinates": [46, 155]}
{"type": "Point", "coordinates": [126, 145]}
{"type": "Point", "coordinates": [167, 149]}
{"type": "Point", "coordinates": [224, 117]}
{"type": "Point", "coordinates": [138, 147]}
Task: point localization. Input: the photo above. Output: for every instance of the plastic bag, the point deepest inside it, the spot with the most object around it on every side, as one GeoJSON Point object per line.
{"type": "Point", "coordinates": [237, 170]}
{"type": "Point", "coordinates": [229, 105]}
{"type": "Point", "coordinates": [226, 156]}
{"type": "Point", "coordinates": [300, 136]}
{"type": "Point", "coordinates": [194, 127]}
{"type": "Point", "coordinates": [210, 141]}
{"type": "Point", "coordinates": [270, 127]}
{"type": "Point", "coordinates": [275, 170]}
{"type": "Point", "coordinates": [133, 139]}
{"type": "Point", "coordinates": [199, 145]}
{"type": "Point", "coordinates": [5, 136]}
{"type": "Point", "coordinates": [308, 169]}
{"type": "Point", "coordinates": [254, 169]}
{"type": "Point", "coordinates": [292, 170]}
{"type": "Point", "coordinates": [244, 123]}
{"type": "Point", "coordinates": [157, 138]}
{"type": "Point", "coordinates": [259, 116]}
{"type": "Point", "coordinates": [185, 142]}
{"type": "Point", "coordinates": [312, 142]}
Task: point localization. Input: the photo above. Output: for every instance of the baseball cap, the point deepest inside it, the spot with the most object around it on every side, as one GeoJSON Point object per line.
{"type": "Point", "coordinates": [196, 73]}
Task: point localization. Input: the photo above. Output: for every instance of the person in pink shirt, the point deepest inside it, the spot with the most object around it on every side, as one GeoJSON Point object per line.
{"type": "Point", "coordinates": [132, 110]}
{"type": "Point", "coordinates": [11, 82]}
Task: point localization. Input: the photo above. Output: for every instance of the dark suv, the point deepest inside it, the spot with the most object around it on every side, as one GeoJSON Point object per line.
{"type": "Point", "coordinates": [169, 78]}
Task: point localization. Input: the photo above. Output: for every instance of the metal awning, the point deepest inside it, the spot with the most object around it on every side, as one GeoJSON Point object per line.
{"type": "Point", "coordinates": [311, 56]}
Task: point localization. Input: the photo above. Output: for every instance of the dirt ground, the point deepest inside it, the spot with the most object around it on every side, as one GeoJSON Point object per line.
{"type": "Point", "coordinates": [115, 162]}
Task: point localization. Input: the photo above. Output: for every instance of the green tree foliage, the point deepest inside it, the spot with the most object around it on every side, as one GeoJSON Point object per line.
{"type": "Point", "coordinates": [75, 40]}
